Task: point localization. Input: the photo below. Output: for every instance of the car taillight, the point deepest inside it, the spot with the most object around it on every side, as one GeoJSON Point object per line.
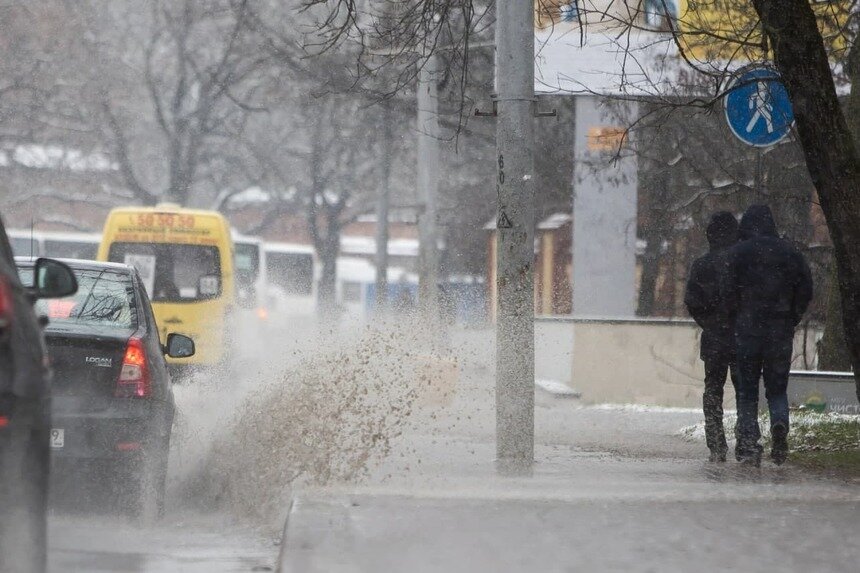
{"type": "Point", "coordinates": [133, 379]}
{"type": "Point", "coordinates": [6, 310]}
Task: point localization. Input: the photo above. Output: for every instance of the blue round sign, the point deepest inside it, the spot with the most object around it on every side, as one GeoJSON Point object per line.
{"type": "Point", "coordinates": [758, 109]}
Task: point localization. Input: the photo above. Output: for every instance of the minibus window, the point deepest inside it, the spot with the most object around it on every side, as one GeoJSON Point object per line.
{"type": "Point", "coordinates": [60, 249]}
{"type": "Point", "coordinates": [22, 247]}
{"type": "Point", "coordinates": [247, 266]}
{"type": "Point", "coordinates": [172, 272]}
{"type": "Point", "coordinates": [247, 261]}
{"type": "Point", "coordinates": [294, 272]}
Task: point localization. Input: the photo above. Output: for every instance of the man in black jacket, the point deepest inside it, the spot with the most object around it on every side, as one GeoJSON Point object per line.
{"type": "Point", "coordinates": [768, 287]}
{"type": "Point", "coordinates": [706, 305]}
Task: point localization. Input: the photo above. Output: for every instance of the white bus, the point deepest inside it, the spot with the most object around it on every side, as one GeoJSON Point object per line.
{"type": "Point", "coordinates": [249, 266]}
{"type": "Point", "coordinates": [291, 278]}
{"type": "Point", "coordinates": [55, 244]}
{"type": "Point", "coordinates": [356, 287]}
{"type": "Point", "coordinates": [293, 272]}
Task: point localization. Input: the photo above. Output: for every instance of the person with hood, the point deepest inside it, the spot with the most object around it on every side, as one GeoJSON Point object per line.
{"type": "Point", "coordinates": [706, 305]}
{"type": "Point", "coordinates": [768, 288]}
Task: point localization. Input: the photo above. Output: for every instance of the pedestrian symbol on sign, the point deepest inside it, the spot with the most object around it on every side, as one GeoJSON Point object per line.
{"type": "Point", "coordinates": [760, 102]}
{"type": "Point", "coordinates": [758, 109]}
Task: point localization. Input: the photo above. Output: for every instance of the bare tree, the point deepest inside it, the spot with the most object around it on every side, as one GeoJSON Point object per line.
{"type": "Point", "coordinates": [199, 67]}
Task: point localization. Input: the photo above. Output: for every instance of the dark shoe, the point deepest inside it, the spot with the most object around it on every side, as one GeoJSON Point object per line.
{"type": "Point", "coordinates": [749, 454]}
{"type": "Point", "coordinates": [717, 455]}
{"type": "Point", "coordinates": [779, 450]}
{"type": "Point", "coordinates": [752, 460]}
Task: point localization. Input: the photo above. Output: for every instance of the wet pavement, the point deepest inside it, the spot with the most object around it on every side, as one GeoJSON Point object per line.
{"type": "Point", "coordinates": [612, 489]}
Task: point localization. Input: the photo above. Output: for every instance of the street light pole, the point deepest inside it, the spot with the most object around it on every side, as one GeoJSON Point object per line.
{"type": "Point", "coordinates": [382, 207]}
{"type": "Point", "coordinates": [428, 183]}
{"type": "Point", "coordinates": [515, 236]}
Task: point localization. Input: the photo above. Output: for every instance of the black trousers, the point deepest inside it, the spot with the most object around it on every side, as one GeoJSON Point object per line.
{"type": "Point", "coordinates": [766, 357]}
{"type": "Point", "coordinates": [716, 369]}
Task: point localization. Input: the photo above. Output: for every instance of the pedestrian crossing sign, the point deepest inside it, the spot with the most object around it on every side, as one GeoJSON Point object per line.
{"type": "Point", "coordinates": [758, 109]}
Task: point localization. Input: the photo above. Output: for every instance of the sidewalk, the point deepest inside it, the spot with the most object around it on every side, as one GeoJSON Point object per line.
{"type": "Point", "coordinates": [612, 490]}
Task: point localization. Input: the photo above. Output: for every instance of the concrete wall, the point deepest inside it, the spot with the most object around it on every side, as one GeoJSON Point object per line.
{"type": "Point", "coordinates": [554, 350]}
{"type": "Point", "coordinates": [637, 361]}
{"type": "Point", "coordinates": [604, 213]}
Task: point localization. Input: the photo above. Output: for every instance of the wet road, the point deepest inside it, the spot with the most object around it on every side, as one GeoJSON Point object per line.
{"type": "Point", "coordinates": [191, 543]}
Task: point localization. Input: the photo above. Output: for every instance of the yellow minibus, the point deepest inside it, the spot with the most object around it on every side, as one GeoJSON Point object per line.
{"type": "Point", "coordinates": [185, 260]}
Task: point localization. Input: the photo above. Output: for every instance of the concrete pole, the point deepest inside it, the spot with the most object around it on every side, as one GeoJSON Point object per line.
{"type": "Point", "coordinates": [515, 236]}
{"type": "Point", "coordinates": [428, 183]}
{"type": "Point", "coordinates": [382, 205]}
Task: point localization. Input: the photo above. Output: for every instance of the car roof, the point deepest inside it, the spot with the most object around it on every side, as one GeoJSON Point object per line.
{"type": "Point", "coordinates": [79, 264]}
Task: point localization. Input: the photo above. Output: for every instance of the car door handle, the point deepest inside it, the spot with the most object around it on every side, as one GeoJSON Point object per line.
{"type": "Point", "coordinates": [173, 320]}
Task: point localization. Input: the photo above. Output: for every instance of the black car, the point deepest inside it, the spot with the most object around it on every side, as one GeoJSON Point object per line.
{"type": "Point", "coordinates": [112, 397]}
{"type": "Point", "coordinates": [24, 410]}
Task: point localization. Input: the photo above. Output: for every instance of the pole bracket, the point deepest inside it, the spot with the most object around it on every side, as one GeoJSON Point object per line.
{"type": "Point", "coordinates": [494, 113]}
{"type": "Point", "coordinates": [552, 113]}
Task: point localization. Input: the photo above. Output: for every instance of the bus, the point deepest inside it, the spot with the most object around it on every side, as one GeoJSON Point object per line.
{"type": "Point", "coordinates": [54, 244]}
{"type": "Point", "coordinates": [185, 260]}
{"type": "Point", "coordinates": [291, 278]}
{"type": "Point", "coordinates": [249, 263]}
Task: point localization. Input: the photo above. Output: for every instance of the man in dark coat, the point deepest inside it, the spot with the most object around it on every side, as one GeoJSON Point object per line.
{"type": "Point", "coordinates": [705, 302]}
{"type": "Point", "coordinates": [768, 286]}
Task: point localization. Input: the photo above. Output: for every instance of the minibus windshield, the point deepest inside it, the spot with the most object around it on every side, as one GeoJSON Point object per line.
{"type": "Point", "coordinates": [173, 272]}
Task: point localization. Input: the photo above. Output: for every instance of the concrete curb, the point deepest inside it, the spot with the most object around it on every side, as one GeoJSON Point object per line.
{"type": "Point", "coordinates": [283, 548]}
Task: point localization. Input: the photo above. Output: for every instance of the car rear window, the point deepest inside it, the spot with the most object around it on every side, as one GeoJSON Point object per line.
{"type": "Point", "coordinates": [105, 298]}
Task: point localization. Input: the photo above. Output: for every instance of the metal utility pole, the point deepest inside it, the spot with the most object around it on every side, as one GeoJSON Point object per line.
{"type": "Point", "coordinates": [428, 183]}
{"type": "Point", "coordinates": [382, 204]}
{"type": "Point", "coordinates": [515, 235]}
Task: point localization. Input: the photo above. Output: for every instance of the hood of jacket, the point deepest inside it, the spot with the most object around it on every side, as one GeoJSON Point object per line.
{"type": "Point", "coordinates": [757, 222]}
{"type": "Point", "coordinates": [722, 231]}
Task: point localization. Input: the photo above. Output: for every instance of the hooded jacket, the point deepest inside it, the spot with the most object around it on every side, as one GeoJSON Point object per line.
{"type": "Point", "coordinates": [768, 285]}
{"type": "Point", "coordinates": [704, 297]}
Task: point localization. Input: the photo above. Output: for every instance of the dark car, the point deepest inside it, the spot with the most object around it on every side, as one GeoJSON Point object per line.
{"type": "Point", "coordinates": [24, 410]}
{"type": "Point", "coordinates": [112, 396]}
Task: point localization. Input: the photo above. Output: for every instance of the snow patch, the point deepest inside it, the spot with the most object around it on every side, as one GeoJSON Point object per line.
{"type": "Point", "coordinates": [556, 388]}
{"type": "Point", "coordinates": [644, 408]}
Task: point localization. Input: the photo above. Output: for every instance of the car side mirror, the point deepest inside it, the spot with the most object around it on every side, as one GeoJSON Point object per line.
{"type": "Point", "coordinates": [179, 346]}
{"type": "Point", "coordinates": [53, 279]}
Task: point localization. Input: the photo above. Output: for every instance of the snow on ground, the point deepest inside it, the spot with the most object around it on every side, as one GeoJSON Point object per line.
{"type": "Point", "coordinates": [807, 428]}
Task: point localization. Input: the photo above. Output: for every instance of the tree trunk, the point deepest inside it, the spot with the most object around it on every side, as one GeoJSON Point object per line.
{"type": "Point", "coordinates": [327, 286]}
{"type": "Point", "coordinates": [650, 271]}
{"type": "Point", "coordinates": [832, 351]}
{"type": "Point", "coordinates": [828, 146]}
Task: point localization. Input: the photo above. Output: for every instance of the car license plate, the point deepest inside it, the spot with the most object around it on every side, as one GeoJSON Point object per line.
{"type": "Point", "coordinates": [58, 438]}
